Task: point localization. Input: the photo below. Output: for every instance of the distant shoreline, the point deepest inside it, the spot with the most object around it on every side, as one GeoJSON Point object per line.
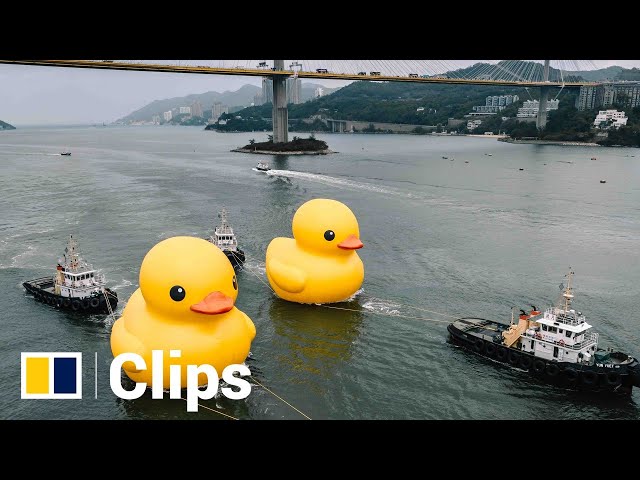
{"type": "Point", "coordinates": [552, 142]}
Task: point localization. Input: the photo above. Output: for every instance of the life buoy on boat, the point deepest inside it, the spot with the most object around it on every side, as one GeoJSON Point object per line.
{"type": "Point", "coordinates": [561, 343]}
{"type": "Point", "coordinates": [538, 366]}
{"type": "Point", "coordinates": [95, 301]}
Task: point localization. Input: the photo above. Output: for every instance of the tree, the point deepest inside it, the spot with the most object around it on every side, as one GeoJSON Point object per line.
{"type": "Point", "coordinates": [270, 138]}
{"type": "Point", "coordinates": [252, 141]}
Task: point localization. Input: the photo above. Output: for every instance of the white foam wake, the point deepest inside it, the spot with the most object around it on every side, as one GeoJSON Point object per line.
{"type": "Point", "coordinates": [335, 181]}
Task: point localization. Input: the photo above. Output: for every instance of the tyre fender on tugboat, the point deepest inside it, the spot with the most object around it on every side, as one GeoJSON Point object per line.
{"type": "Point", "coordinates": [478, 345]}
{"type": "Point", "coordinates": [552, 369]}
{"type": "Point", "coordinates": [514, 358]}
{"type": "Point", "coordinates": [490, 349]}
{"type": "Point", "coordinates": [571, 375]}
{"type": "Point", "coordinates": [613, 378]}
{"type": "Point", "coordinates": [525, 362]}
{"type": "Point", "coordinates": [502, 353]}
{"type": "Point", "coordinates": [538, 366]}
{"type": "Point", "coordinates": [95, 301]}
{"type": "Point", "coordinates": [589, 377]}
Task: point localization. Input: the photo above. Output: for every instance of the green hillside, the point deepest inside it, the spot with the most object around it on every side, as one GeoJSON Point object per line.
{"type": "Point", "coordinates": [6, 126]}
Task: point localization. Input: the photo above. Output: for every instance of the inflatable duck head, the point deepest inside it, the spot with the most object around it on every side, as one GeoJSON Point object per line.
{"type": "Point", "coordinates": [326, 227]}
{"type": "Point", "coordinates": [187, 278]}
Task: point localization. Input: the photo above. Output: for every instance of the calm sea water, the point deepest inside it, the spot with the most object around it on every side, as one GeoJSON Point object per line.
{"type": "Point", "coordinates": [441, 237]}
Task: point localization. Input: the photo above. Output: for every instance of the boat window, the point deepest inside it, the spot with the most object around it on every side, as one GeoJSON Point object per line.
{"type": "Point", "coordinates": [568, 334]}
{"type": "Point", "coordinates": [553, 329]}
{"type": "Point", "coordinates": [559, 330]}
{"type": "Point", "coordinates": [544, 327]}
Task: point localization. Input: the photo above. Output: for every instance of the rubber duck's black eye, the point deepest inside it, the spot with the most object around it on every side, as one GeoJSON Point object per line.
{"type": "Point", "coordinates": [329, 235]}
{"type": "Point", "coordinates": [235, 283]}
{"type": "Point", "coordinates": [177, 293]}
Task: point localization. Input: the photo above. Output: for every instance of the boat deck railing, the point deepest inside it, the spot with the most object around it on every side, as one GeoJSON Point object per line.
{"type": "Point", "coordinates": [38, 282]}
{"type": "Point", "coordinates": [590, 338]}
{"type": "Point", "coordinates": [561, 316]}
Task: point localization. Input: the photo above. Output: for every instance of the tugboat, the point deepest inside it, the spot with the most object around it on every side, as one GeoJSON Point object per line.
{"type": "Point", "coordinates": [75, 286]}
{"type": "Point", "coordinates": [557, 346]}
{"type": "Point", "coordinates": [262, 167]}
{"type": "Point", "coordinates": [224, 238]}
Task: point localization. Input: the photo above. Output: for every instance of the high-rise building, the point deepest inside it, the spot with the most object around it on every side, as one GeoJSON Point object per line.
{"type": "Point", "coordinates": [217, 110]}
{"type": "Point", "coordinates": [185, 110]}
{"type": "Point", "coordinates": [294, 90]}
{"type": "Point", "coordinates": [607, 94]}
{"type": "Point", "coordinates": [257, 98]}
{"type": "Point", "coordinates": [319, 92]}
{"type": "Point", "coordinates": [196, 109]}
{"type": "Point", "coordinates": [267, 90]}
{"type": "Point", "coordinates": [156, 119]}
{"type": "Point", "coordinates": [167, 116]}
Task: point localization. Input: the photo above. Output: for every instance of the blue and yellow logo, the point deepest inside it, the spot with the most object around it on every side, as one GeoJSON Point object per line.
{"type": "Point", "coordinates": [51, 375]}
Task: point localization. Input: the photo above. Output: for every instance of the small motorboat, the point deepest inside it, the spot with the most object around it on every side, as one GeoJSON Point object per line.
{"type": "Point", "coordinates": [446, 158]}
{"type": "Point", "coordinates": [593, 158]}
{"type": "Point", "coordinates": [65, 153]}
{"type": "Point", "coordinates": [262, 167]}
{"type": "Point", "coordinates": [603, 181]}
{"type": "Point", "coordinates": [521, 169]}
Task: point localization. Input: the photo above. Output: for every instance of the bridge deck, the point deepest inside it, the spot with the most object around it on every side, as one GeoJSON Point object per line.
{"type": "Point", "coordinates": [150, 67]}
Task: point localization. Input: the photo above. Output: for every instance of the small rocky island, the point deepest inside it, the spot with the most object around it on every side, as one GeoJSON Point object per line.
{"type": "Point", "coordinates": [6, 126]}
{"type": "Point", "coordinates": [297, 146]}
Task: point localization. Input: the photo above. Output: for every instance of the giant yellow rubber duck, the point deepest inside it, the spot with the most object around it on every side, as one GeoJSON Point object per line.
{"type": "Point", "coordinates": [320, 264]}
{"type": "Point", "coordinates": [185, 302]}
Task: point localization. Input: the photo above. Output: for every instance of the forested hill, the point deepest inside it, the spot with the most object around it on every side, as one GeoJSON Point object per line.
{"type": "Point", "coordinates": [394, 102]}
{"type": "Point", "coordinates": [6, 126]}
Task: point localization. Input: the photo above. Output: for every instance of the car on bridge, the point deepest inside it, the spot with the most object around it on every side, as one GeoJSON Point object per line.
{"type": "Point", "coordinates": [362, 73]}
{"type": "Point", "coordinates": [374, 74]}
{"type": "Point", "coordinates": [413, 75]}
{"type": "Point", "coordinates": [321, 70]}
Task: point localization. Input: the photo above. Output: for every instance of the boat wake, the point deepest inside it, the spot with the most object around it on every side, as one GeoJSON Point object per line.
{"type": "Point", "coordinates": [378, 305]}
{"type": "Point", "coordinates": [336, 182]}
{"type": "Point", "coordinates": [123, 284]}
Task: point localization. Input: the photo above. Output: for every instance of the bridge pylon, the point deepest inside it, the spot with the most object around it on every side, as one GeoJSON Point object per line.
{"type": "Point", "coordinates": [541, 120]}
{"type": "Point", "coordinates": [280, 114]}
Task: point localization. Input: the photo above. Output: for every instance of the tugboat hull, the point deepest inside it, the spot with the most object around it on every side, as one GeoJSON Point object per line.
{"type": "Point", "coordinates": [483, 337]}
{"type": "Point", "coordinates": [94, 304]}
{"type": "Point", "coordinates": [236, 258]}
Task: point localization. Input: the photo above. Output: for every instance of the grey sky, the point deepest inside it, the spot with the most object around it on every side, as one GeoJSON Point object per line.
{"type": "Point", "coordinates": [50, 95]}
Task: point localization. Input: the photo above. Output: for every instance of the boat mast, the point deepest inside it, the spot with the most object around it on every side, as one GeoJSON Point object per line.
{"type": "Point", "coordinates": [223, 218]}
{"type": "Point", "coordinates": [567, 293]}
{"type": "Point", "coordinates": [71, 254]}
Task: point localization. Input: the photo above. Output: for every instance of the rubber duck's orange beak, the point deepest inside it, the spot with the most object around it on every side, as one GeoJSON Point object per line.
{"type": "Point", "coordinates": [213, 304]}
{"type": "Point", "coordinates": [351, 243]}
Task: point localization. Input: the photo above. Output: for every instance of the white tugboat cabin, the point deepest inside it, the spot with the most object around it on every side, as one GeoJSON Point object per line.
{"type": "Point", "coordinates": [225, 239]}
{"type": "Point", "coordinates": [75, 278]}
{"type": "Point", "coordinates": [561, 334]}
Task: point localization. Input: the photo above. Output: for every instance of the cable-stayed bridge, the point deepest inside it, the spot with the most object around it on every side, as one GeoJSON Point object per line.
{"type": "Point", "coordinates": [545, 74]}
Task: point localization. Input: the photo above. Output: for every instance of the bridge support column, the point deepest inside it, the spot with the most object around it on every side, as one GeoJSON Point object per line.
{"type": "Point", "coordinates": [280, 115]}
{"type": "Point", "coordinates": [541, 121]}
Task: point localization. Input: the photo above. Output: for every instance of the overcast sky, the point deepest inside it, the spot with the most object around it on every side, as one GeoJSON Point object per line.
{"type": "Point", "coordinates": [32, 95]}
